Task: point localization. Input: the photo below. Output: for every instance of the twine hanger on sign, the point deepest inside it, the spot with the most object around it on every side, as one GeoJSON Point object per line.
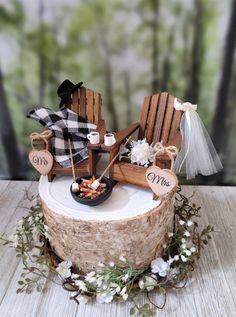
{"type": "Point", "coordinates": [171, 151]}
{"type": "Point", "coordinates": [44, 136]}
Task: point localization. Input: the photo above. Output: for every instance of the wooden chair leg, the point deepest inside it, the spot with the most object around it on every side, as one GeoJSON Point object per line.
{"type": "Point", "coordinates": [50, 177]}
{"type": "Point", "coordinates": [91, 166]}
{"type": "Point", "coordinates": [154, 197]}
{"type": "Point", "coordinates": [112, 155]}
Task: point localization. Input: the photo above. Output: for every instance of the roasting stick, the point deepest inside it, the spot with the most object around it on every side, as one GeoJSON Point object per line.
{"type": "Point", "coordinates": [96, 183]}
{"type": "Point", "coordinates": [75, 186]}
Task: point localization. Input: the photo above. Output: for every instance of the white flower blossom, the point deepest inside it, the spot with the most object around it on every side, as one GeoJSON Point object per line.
{"type": "Point", "coordinates": [176, 257]}
{"type": "Point", "coordinates": [92, 273]}
{"type": "Point", "coordinates": [104, 286]}
{"type": "Point", "coordinates": [189, 223]}
{"type": "Point", "coordinates": [123, 293]}
{"type": "Point", "coordinates": [105, 296]}
{"type": "Point", "coordinates": [74, 276]}
{"type": "Point", "coordinates": [46, 227]}
{"type": "Point", "coordinates": [81, 285]}
{"type": "Point", "coordinates": [164, 246]}
{"type": "Point", "coordinates": [64, 270]}
{"type": "Point", "coordinates": [193, 249]}
{"type": "Point", "coordinates": [112, 284]}
{"type": "Point", "coordinates": [90, 277]}
{"type": "Point", "coordinates": [118, 289]}
{"type": "Point", "coordinates": [83, 299]}
{"type": "Point", "coordinates": [35, 234]}
{"type": "Point", "coordinates": [170, 234]}
{"type": "Point", "coordinates": [125, 277]}
{"type": "Point", "coordinates": [170, 261]}
{"type": "Point", "coordinates": [183, 240]}
{"type": "Point", "coordinates": [183, 246]}
{"type": "Point", "coordinates": [46, 232]}
{"type": "Point", "coordinates": [122, 258]}
{"type": "Point", "coordinates": [30, 220]}
{"type": "Point", "coordinates": [147, 282]}
{"type": "Point", "coordinates": [188, 252]}
{"type": "Point", "coordinates": [187, 233]}
{"type": "Point", "coordinates": [181, 222]}
{"type": "Point", "coordinates": [183, 258]}
{"type": "Point", "coordinates": [99, 281]}
{"type": "Point", "coordinates": [160, 266]}
{"type": "Point", "coordinates": [141, 284]}
{"type": "Point", "coordinates": [141, 152]}
{"type": "Point", "coordinates": [15, 240]}
{"type": "Point", "coordinates": [111, 264]}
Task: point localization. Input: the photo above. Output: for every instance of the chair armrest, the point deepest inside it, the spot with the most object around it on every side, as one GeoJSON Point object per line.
{"type": "Point", "coordinates": [121, 136]}
{"type": "Point", "coordinates": [101, 128]}
{"type": "Point", "coordinates": [125, 133]}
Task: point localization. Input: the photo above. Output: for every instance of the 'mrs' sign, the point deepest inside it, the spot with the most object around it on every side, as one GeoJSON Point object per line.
{"type": "Point", "coordinates": [161, 181]}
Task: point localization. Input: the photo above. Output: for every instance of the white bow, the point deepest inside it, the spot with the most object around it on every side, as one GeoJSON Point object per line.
{"type": "Point", "coordinates": [184, 106]}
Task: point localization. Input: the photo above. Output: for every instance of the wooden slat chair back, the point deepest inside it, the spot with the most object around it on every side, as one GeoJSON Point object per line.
{"type": "Point", "coordinates": [87, 104]}
{"type": "Point", "coordinates": [159, 122]}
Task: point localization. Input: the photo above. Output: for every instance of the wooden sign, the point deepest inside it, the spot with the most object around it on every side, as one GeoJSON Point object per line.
{"type": "Point", "coordinates": [42, 160]}
{"type": "Point", "coordinates": [161, 181]}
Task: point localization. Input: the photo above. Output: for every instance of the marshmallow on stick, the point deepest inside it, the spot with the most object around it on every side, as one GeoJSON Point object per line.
{"type": "Point", "coordinates": [75, 185]}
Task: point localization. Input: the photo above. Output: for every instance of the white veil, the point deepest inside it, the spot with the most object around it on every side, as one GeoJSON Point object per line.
{"type": "Point", "coordinates": [197, 154]}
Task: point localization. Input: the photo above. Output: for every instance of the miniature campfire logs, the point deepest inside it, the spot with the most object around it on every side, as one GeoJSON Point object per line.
{"type": "Point", "coordinates": [85, 190]}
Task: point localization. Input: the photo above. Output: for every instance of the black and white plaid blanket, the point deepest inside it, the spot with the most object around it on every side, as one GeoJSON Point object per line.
{"type": "Point", "coordinates": [65, 124]}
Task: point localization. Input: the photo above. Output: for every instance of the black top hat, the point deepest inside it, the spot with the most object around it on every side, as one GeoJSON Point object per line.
{"type": "Point", "coordinates": [65, 89]}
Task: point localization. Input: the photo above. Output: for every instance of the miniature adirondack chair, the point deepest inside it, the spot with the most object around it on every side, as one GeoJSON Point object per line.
{"type": "Point", "coordinates": [159, 122]}
{"type": "Point", "coordinates": [87, 104]}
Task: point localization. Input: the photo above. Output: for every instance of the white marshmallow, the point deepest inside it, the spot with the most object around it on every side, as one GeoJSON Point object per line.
{"type": "Point", "coordinates": [75, 187]}
{"type": "Point", "coordinates": [95, 184]}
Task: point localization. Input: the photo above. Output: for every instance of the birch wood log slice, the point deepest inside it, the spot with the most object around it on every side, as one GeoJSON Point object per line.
{"type": "Point", "coordinates": [129, 223]}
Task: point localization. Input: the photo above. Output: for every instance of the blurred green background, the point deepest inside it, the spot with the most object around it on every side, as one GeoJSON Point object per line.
{"type": "Point", "coordinates": [125, 50]}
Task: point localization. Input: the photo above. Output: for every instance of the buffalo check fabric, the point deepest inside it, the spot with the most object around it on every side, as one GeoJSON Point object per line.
{"type": "Point", "coordinates": [65, 124]}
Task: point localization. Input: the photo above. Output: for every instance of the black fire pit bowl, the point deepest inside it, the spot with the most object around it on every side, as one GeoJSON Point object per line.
{"type": "Point", "coordinates": [100, 199]}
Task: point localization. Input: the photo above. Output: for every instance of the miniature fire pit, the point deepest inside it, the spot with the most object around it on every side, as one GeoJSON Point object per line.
{"type": "Point", "coordinates": [88, 196]}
